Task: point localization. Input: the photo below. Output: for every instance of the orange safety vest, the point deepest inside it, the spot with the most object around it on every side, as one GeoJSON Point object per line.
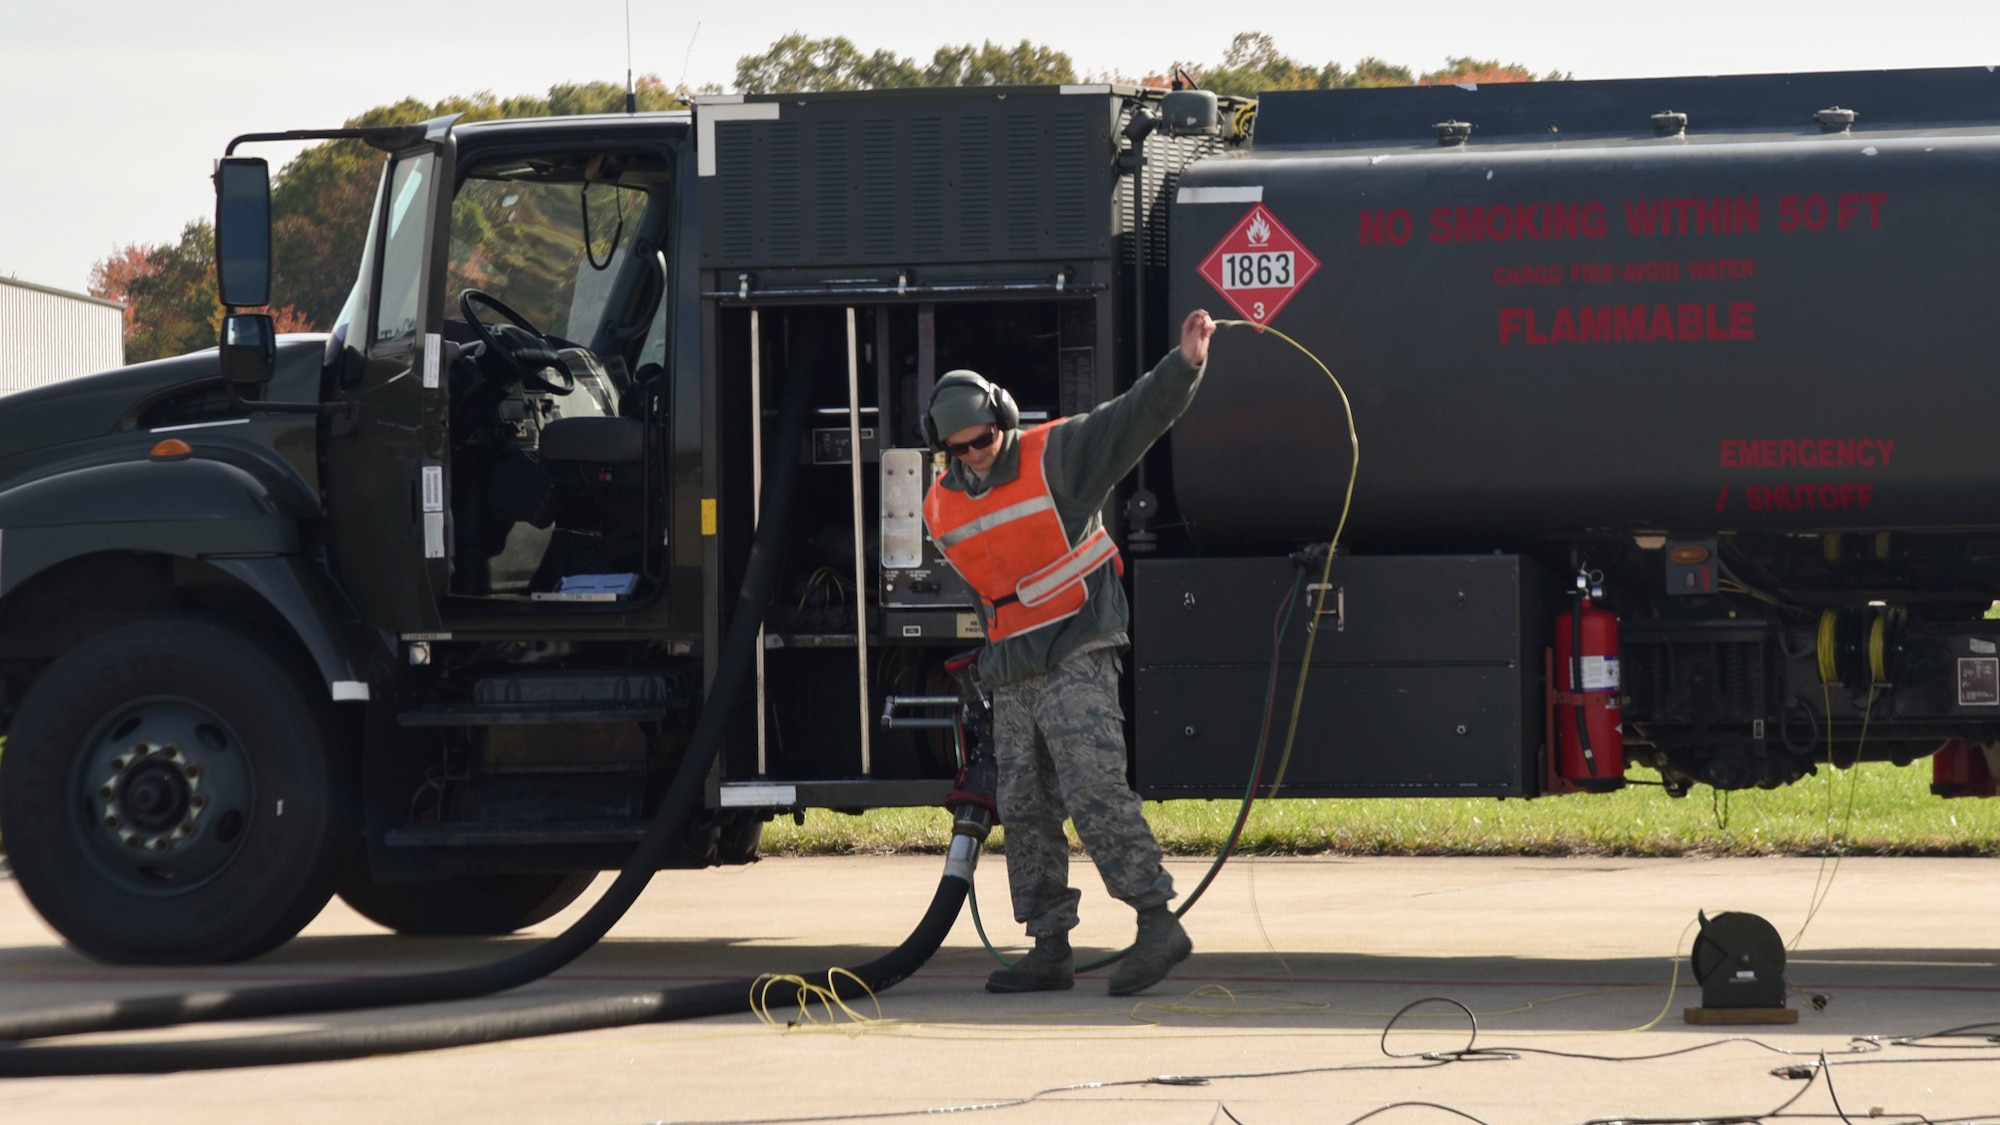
{"type": "Point", "coordinates": [1009, 545]}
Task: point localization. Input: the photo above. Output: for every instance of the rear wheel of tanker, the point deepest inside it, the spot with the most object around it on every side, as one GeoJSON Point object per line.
{"type": "Point", "coordinates": [173, 792]}
{"type": "Point", "coordinates": [463, 906]}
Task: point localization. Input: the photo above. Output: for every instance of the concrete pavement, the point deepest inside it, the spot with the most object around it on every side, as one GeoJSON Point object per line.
{"type": "Point", "coordinates": [1298, 964]}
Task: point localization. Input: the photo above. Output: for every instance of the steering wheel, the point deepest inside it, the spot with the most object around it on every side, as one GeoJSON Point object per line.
{"type": "Point", "coordinates": [524, 350]}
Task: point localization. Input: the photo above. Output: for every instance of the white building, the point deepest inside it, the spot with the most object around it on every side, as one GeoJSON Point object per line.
{"type": "Point", "coordinates": [47, 335]}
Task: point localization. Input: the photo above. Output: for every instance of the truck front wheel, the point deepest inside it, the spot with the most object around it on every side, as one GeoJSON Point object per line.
{"type": "Point", "coordinates": [465, 906]}
{"type": "Point", "coordinates": [173, 793]}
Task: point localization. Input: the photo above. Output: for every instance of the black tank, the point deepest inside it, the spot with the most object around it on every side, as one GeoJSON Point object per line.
{"type": "Point", "coordinates": [1586, 317]}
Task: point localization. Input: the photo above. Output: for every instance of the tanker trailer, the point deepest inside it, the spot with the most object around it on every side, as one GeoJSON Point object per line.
{"type": "Point", "coordinates": [1717, 347]}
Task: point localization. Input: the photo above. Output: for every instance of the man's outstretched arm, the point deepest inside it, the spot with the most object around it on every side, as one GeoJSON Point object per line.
{"type": "Point", "coordinates": [1100, 447]}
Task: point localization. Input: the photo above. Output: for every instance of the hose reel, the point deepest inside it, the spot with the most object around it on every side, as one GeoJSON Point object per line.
{"type": "Point", "coordinates": [1858, 647]}
{"type": "Point", "coordinates": [1739, 960]}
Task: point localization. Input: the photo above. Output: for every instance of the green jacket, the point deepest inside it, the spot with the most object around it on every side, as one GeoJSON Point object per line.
{"type": "Point", "coordinates": [1088, 454]}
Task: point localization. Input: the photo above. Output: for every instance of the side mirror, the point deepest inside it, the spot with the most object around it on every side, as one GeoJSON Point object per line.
{"type": "Point", "coordinates": [249, 349]}
{"type": "Point", "coordinates": [243, 232]}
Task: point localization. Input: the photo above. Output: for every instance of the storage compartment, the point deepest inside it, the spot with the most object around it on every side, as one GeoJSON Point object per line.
{"type": "Point", "coordinates": [1425, 681]}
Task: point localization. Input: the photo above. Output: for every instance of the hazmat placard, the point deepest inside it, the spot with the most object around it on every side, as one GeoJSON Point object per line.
{"type": "Point", "coordinates": [1258, 266]}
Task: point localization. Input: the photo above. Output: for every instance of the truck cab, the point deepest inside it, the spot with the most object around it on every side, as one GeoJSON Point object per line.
{"type": "Point", "coordinates": [458, 535]}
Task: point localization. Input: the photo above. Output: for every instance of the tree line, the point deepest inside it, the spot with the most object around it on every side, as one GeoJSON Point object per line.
{"type": "Point", "coordinates": [321, 200]}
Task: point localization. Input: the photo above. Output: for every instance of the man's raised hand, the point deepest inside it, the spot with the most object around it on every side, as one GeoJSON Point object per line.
{"type": "Point", "coordinates": [1195, 331]}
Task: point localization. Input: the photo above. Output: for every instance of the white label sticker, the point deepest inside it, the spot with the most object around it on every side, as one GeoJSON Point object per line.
{"type": "Point", "coordinates": [433, 488]}
{"type": "Point", "coordinates": [753, 795]}
{"type": "Point", "coordinates": [1267, 269]}
{"type": "Point", "coordinates": [431, 349]}
{"type": "Point", "coordinates": [1979, 681]}
{"type": "Point", "coordinates": [433, 535]}
{"type": "Point", "coordinates": [1253, 193]}
{"type": "Point", "coordinates": [1600, 673]}
{"type": "Point", "coordinates": [1982, 648]}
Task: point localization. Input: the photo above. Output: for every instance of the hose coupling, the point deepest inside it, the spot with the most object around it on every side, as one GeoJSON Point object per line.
{"type": "Point", "coordinates": [974, 811]}
{"type": "Point", "coordinates": [1314, 554]}
{"type": "Point", "coordinates": [973, 814]}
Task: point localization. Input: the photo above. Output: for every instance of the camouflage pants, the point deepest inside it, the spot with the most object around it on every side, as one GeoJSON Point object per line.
{"type": "Point", "coordinates": [1060, 743]}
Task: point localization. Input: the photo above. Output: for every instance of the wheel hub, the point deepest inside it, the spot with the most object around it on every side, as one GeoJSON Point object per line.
{"type": "Point", "coordinates": [166, 795]}
{"type": "Point", "coordinates": [153, 797]}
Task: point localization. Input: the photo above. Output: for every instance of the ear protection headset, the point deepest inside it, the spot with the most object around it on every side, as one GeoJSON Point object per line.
{"type": "Point", "coordinates": [1006, 414]}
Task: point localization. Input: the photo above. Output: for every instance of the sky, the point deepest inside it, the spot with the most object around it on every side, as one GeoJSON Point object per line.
{"type": "Point", "coordinates": [115, 109]}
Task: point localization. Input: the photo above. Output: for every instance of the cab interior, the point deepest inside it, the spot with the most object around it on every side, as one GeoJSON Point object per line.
{"type": "Point", "coordinates": [556, 302]}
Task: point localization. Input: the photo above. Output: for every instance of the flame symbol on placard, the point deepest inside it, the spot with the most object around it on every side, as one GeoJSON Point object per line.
{"type": "Point", "coordinates": [1259, 231]}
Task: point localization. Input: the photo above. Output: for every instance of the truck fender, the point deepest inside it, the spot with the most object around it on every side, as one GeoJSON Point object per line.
{"type": "Point", "coordinates": [194, 509]}
{"type": "Point", "coordinates": [300, 597]}
{"type": "Point", "coordinates": [198, 509]}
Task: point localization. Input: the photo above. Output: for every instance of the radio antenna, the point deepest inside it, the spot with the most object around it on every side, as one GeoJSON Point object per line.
{"type": "Point", "coordinates": [631, 94]}
{"type": "Point", "coordinates": [687, 56]}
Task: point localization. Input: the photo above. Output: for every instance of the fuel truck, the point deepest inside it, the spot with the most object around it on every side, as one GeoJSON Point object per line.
{"type": "Point", "coordinates": [1672, 400]}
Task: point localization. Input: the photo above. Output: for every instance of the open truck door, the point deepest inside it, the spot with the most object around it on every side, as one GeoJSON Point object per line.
{"type": "Point", "coordinates": [386, 469]}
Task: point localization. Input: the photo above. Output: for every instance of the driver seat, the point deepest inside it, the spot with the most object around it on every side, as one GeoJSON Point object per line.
{"type": "Point", "coordinates": [593, 439]}
{"type": "Point", "coordinates": [597, 465]}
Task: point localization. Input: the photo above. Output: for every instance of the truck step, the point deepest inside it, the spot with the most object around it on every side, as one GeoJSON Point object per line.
{"type": "Point", "coordinates": [516, 834]}
{"type": "Point", "coordinates": [560, 696]}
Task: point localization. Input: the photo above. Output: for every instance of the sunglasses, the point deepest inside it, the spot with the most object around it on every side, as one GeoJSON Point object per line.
{"type": "Point", "coordinates": [961, 448]}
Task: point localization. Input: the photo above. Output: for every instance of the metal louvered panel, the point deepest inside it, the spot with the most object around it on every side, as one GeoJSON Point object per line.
{"type": "Point", "coordinates": [735, 165]}
{"type": "Point", "coordinates": [781, 174]}
{"type": "Point", "coordinates": [1069, 184]}
{"type": "Point", "coordinates": [879, 182]}
{"type": "Point", "coordinates": [1166, 157]}
{"type": "Point", "coordinates": [926, 187]}
{"type": "Point", "coordinates": [1024, 136]}
{"type": "Point", "coordinates": [828, 182]}
{"type": "Point", "coordinates": [908, 179]}
{"type": "Point", "coordinates": [975, 185]}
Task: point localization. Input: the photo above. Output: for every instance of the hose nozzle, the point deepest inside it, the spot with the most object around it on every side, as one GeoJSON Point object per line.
{"type": "Point", "coordinates": [973, 814]}
{"type": "Point", "coordinates": [972, 806]}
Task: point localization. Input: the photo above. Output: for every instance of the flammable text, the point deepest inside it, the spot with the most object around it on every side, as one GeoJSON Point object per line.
{"type": "Point", "coordinates": [1630, 324]}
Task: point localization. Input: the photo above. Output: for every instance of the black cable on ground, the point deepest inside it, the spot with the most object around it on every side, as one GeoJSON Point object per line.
{"type": "Point", "coordinates": [733, 667]}
{"type": "Point", "coordinates": [1428, 1060]}
{"type": "Point", "coordinates": [688, 1002]}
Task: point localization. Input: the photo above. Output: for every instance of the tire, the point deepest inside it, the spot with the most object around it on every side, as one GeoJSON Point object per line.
{"type": "Point", "coordinates": [738, 842]}
{"type": "Point", "coordinates": [174, 793]}
{"type": "Point", "coordinates": [464, 906]}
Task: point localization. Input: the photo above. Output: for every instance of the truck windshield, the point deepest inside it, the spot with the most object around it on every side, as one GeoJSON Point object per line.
{"type": "Point", "coordinates": [550, 238]}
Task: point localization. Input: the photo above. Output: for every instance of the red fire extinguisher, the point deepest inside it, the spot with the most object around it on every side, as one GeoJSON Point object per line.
{"type": "Point", "coordinates": [1589, 735]}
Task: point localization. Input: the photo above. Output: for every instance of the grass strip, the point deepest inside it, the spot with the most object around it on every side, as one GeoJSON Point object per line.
{"type": "Point", "coordinates": [1893, 813]}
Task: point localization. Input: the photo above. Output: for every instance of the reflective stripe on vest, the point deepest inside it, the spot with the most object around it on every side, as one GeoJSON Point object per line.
{"type": "Point", "coordinates": [1010, 547]}
{"type": "Point", "coordinates": [992, 520]}
{"type": "Point", "coordinates": [1045, 583]}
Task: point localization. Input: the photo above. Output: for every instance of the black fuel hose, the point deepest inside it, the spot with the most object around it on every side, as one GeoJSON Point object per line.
{"type": "Point", "coordinates": [473, 1028]}
{"type": "Point", "coordinates": [733, 667]}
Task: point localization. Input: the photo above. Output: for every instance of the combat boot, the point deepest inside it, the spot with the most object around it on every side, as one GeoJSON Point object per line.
{"type": "Point", "coordinates": [1049, 967]}
{"type": "Point", "coordinates": [1161, 945]}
